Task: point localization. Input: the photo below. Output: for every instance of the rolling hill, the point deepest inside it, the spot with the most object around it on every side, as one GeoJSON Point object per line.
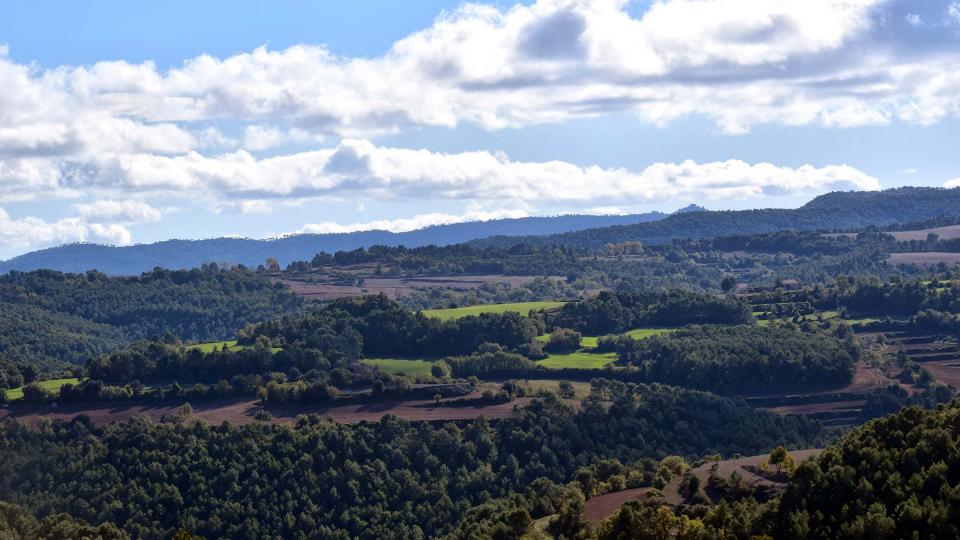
{"type": "Point", "coordinates": [838, 211]}
{"type": "Point", "coordinates": [178, 254]}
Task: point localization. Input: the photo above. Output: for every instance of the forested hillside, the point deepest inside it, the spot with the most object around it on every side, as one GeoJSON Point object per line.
{"type": "Point", "coordinates": [391, 479]}
{"type": "Point", "coordinates": [50, 319]}
{"type": "Point", "coordinates": [179, 254]}
{"type": "Point", "coordinates": [833, 211]}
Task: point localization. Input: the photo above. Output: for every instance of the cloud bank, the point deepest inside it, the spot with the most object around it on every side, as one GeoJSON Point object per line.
{"type": "Point", "coordinates": [220, 126]}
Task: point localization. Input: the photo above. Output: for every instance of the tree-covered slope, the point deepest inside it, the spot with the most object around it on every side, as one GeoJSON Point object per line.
{"type": "Point", "coordinates": [176, 254]}
{"type": "Point", "coordinates": [896, 477]}
{"type": "Point", "coordinates": [840, 210]}
{"type": "Point", "coordinates": [389, 479]}
{"type": "Point", "coordinates": [49, 319]}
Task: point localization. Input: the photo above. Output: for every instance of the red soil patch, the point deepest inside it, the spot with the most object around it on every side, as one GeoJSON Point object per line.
{"type": "Point", "coordinates": [599, 508]}
{"type": "Point", "coordinates": [945, 233]}
{"type": "Point", "coordinates": [397, 286]}
{"type": "Point", "coordinates": [813, 408]}
{"type": "Point", "coordinates": [671, 493]}
{"type": "Point", "coordinates": [945, 371]}
{"type": "Point", "coordinates": [241, 411]}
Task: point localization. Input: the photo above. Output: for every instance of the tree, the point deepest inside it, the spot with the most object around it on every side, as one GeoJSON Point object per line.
{"type": "Point", "coordinates": [567, 391]}
{"type": "Point", "coordinates": [273, 264]}
{"type": "Point", "coordinates": [728, 283]}
{"type": "Point", "coordinates": [34, 393]}
{"type": "Point", "coordinates": [563, 340]}
{"type": "Point", "coordinates": [778, 457]}
{"type": "Point", "coordinates": [30, 373]}
{"type": "Point", "coordinates": [440, 370]}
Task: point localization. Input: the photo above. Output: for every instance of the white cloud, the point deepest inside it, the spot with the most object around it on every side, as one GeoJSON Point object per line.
{"type": "Point", "coordinates": [411, 223]}
{"type": "Point", "coordinates": [262, 137]}
{"type": "Point", "coordinates": [34, 232]}
{"type": "Point", "coordinates": [739, 62]}
{"type": "Point", "coordinates": [358, 168]}
{"type": "Point", "coordinates": [952, 183]}
{"type": "Point", "coordinates": [118, 212]}
{"type": "Point", "coordinates": [215, 128]}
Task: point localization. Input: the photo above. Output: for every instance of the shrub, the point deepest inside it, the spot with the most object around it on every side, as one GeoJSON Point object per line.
{"type": "Point", "coordinates": [563, 340]}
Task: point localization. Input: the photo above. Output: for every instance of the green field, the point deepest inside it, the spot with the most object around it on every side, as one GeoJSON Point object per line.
{"type": "Point", "coordinates": [208, 347]}
{"type": "Point", "coordinates": [640, 333]}
{"type": "Point", "coordinates": [590, 342]}
{"type": "Point", "coordinates": [580, 359]}
{"type": "Point", "coordinates": [231, 345]}
{"type": "Point", "coordinates": [411, 367]}
{"type": "Point", "coordinates": [523, 308]}
{"type": "Point", "coordinates": [51, 385]}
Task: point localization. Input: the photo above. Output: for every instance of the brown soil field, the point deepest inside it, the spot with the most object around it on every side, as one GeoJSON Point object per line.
{"type": "Point", "coordinates": [241, 411]}
{"type": "Point", "coordinates": [671, 493]}
{"type": "Point", "coordinates": [945, 233]}
{"type": "Point", "coordinates": [813, 408]}
{"type": "Point", "coordinates": [947, 371]}
{"type": "Point", "coordinates": [398, 286]}
{"type": "Point", "coordinates": [924, 258]}
{"type": "Point", "coordinates": [598, 508]}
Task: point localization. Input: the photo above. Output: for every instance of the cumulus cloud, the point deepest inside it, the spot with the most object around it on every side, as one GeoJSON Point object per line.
{"type": "Point", "coordinates": [224, 127]}
{"type": "Point", "coordinates": [358, 168]}
{"type": "Point", "coordinates": [118, 212]}
{"type": "Point", "coordinates": [740, 62]}
{"type": "Point", "coordinates": [952, 183]}
{"type": "Point", "coordinates": [412, 223]}
{"type": "Point", "coordinates": [34, 232]}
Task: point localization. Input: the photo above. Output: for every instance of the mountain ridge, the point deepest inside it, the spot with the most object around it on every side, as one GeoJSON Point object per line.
{"type": "Point", "coordinates": [178, 253]}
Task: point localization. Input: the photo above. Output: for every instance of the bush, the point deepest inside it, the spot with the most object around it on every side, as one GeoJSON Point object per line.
{"type": "Point", "coordinates": [440, 370]}
{"type": "Point", "coordinates": [563, 340]}
{"type": "Point", "coordinates": [34, 393]}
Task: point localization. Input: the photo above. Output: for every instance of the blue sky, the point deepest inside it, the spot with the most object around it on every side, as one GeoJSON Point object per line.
{"type": "Point", "coordinates": [125, 122]}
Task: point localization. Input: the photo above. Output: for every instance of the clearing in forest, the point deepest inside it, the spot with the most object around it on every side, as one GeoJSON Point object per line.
{"type": "Point", "coordinates": [52, 385]}
{"type": "Point", "coordinates": [523, 308]}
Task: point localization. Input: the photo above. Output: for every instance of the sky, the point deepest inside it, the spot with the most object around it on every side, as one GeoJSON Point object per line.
{"type": "Point", "coordinates": [126, 122]}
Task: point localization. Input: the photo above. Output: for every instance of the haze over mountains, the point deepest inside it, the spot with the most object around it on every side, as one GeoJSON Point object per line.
{"type": "Point", "coordinates": [176, 254]}
{"type": "Point", "coordinates": [833, 211]}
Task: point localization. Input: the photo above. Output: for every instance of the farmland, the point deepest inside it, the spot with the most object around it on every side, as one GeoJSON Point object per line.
{"type": "Point", "coordinates": [582, 359]}
{"type": "Point", "coordinates": [242, 410]}
{"type": "Point", "coordinates": [211, 345]}
{"type": "Point", "coordinates": [925, 258]}
{"type": "Point", "coordinates": [52, 385]}
{"type": "Point", "coordinates": [228, 345]}
{"type": "Point", "coordinates": [411, 367]}
{"type": "Point", "coordinates": [360, 279]}
{"type": "Point", "coordinates": [523, 308]}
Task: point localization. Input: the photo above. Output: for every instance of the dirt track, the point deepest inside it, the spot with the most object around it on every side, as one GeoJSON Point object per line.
{"type": "Point", "coordinates": [241, 411]}
{"type": "Point", "coordinates": [598, 508]}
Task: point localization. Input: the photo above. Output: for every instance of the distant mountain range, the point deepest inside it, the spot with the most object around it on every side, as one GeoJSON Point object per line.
{"type": "Point", "coordinates": [831, 212]}
{"type": "Point", "coordinates": [175, 254]}
{"type": "Point", "coordinates": [846, 211]}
